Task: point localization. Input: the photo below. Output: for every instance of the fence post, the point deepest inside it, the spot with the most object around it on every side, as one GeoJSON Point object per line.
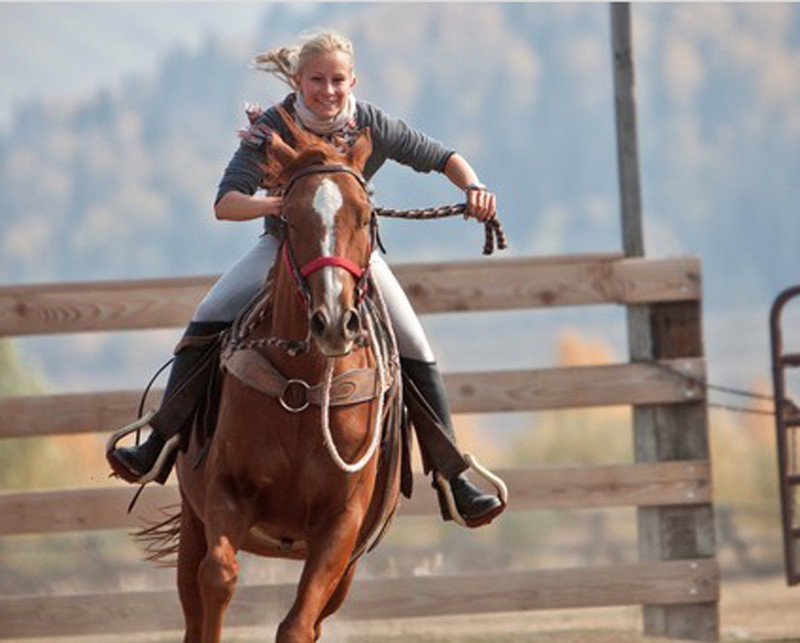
{"type": "Point", "coordinates": [675, 432]}
{"type": "Point", "coordinates": [661, 331]}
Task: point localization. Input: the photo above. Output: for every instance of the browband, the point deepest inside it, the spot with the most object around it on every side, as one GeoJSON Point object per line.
{"type": "Point", "coordinates": [325, 169]}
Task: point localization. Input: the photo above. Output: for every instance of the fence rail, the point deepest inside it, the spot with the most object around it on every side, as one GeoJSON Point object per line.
{"type": "Point", "coordinates": [651, 484]}
{"type": "Point", "coordinates": [485, 392]}
{"type": "Point", "coordinates": [664, 583]}
{"type": "Point", "coordinates": [500, 284]}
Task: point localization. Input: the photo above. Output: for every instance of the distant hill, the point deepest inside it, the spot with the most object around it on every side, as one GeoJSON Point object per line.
{"type": "Point", "coordinates": [122, 185]}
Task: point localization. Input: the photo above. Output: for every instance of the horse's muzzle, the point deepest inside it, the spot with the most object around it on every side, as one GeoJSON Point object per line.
{"type": "Point", "coordinates": [335, 334]}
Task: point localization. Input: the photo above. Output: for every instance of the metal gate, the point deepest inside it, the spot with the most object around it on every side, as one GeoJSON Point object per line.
{"type": "Point", "coordinates": [787, 424]}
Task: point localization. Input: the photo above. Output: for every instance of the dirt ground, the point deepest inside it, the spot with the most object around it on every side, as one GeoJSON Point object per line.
{"type": "Point", "coordinates": [762, 609]}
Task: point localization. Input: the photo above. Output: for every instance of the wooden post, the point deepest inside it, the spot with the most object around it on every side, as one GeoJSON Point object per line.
{"type": "Point", "coordinates": [661, 432]}
{"type": "Point", "coordinates": [630, 193]}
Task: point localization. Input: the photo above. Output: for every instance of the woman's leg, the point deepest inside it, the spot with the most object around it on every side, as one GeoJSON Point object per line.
{"type": "Point", "coordinates": [195, 358]}
{"type": "Point", "coordinates": [425, 397]}
{"type": "Point", "coordinates": [234, 290]}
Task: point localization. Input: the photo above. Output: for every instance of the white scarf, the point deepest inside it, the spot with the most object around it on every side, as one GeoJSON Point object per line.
{"type": "Point", "coordinates": [324, 125]}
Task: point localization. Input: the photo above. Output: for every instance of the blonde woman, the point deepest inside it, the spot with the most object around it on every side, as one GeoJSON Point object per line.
{"type": "Point", "coordinates": [319, 69]}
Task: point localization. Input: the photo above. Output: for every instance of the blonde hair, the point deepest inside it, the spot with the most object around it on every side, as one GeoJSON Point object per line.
{"type": "Point", "coordinates": [286, 62]}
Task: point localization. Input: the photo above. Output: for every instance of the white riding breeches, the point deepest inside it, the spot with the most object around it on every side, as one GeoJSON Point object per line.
{"type": "Point", "coordinates": [234, 289]}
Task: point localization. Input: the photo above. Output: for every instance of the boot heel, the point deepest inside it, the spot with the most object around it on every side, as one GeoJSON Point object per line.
{"type": "Point", "coordinates": [444, 510]}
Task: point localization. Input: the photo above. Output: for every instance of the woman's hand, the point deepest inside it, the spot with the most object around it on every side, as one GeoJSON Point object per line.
{"type": "Point", "coordinates": [273, 206]}
{"type": "Point", "coordinates": [481, 203]}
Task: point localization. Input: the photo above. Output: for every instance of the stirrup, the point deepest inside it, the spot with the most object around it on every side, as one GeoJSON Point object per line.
{"type": "Point", "coordinates": [111, 444]}
{"type": "Point", "coordinates": [492, 478]}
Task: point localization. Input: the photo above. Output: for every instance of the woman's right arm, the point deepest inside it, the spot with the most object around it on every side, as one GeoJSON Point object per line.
{"type": "Point", "coordinates": [237, 206]}
{"type": "Point", "coordinates": [238, 198]}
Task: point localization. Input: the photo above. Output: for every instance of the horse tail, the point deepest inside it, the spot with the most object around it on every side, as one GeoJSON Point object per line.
{"type": "Point", "coordinates": [160, 539]}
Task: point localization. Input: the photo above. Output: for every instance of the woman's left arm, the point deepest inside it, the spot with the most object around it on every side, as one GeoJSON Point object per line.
{"type": "Point", "coordinates": [481, 203]}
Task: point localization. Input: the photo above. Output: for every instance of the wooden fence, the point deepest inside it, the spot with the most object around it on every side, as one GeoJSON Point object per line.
{"type": "Point", "coordinates": [677, 578]}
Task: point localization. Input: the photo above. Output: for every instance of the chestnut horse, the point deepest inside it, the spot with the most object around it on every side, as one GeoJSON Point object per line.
{"type": "Point", "coordinates": [290, 473]}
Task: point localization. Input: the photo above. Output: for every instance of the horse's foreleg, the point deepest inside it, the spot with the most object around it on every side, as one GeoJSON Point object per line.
{"type": "Point", "coordinates": [336, 600]}
{"type": "Point", "coordinates": [329, 550]}
{"type": "Point", "coordinates": [191, 549]}
{"type": "Point", "coordinates": [218, 573]}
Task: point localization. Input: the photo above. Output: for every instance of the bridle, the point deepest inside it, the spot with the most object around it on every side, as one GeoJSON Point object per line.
{"type": "Point", "coordinates": [301, 273]}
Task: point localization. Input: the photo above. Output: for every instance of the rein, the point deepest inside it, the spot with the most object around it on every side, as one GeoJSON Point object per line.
{"type": "Point", "coordinates": [495, 235]}
{"type": "Point", "coordinates": [495, 238]}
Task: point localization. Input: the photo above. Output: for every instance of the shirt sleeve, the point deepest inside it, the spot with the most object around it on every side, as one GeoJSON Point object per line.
{"type": "Point", "coordinates": [409, 146]}
{"type": "Point", "coordinates": [244, 172]}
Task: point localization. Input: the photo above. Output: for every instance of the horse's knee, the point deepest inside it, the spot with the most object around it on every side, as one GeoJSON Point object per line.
{"type": "Point", "coordinates": [218, 573]}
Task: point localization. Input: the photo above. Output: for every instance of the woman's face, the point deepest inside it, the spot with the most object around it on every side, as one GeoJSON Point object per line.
{"type": "Point", "coordinates": [325, 81]}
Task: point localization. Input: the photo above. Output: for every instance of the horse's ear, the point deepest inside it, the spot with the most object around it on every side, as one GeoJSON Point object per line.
{"type": "Point", "coordinates": [279, 151]}
{"type": "Point", "coordinates": [361, 149]}
{"type": "Point", "coordinates": [301, 138]}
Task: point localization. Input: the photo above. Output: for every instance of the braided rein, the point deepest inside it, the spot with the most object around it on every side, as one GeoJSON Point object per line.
{"type": "Point", "coordinates": [237, 337]}
{"type": "Point", "coordinates": [495, 235]}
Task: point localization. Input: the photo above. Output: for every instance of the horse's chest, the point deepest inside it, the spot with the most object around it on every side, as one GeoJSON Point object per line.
{"type": "Point", "coordinates": [290, 496]}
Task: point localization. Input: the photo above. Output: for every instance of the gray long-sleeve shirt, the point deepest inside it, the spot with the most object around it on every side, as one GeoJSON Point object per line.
{"type": "Point", "coordinates": [391, 139]}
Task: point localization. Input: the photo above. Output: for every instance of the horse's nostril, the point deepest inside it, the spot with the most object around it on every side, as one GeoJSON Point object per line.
{"type": "Point", "coordinates": [352, 322]}
{"type": "Point", "coordinates": [319, 322]}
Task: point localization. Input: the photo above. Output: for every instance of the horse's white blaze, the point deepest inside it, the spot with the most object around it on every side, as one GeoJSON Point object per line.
{"type": "Point", "coordinates": [327, 202]}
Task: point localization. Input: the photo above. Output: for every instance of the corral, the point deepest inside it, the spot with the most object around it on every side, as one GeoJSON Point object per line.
{"type": "Point", "coordinates": [676, 579]}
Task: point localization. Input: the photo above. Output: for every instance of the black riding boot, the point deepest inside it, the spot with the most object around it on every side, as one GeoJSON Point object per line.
{"type": "Point", "coordinates": [188, 380]}
{"type": "Point", "coordinates": [426, 399]}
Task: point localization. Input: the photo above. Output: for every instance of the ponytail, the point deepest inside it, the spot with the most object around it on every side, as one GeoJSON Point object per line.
{"type": "Point", "coordinates": [281, 63]}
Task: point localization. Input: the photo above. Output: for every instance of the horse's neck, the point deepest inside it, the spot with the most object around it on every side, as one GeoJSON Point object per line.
{"type": "Point", "coordinates": [289, 316]}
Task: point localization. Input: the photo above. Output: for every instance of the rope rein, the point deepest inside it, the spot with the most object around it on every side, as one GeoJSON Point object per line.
{"type": "Point", "coordinates": [495, 235]}
{"type": "Point", "coordinates": [330, 445]}
{"type": "Point", "coordinates": [495, 238]}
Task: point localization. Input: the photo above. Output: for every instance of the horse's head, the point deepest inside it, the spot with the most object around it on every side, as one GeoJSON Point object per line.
{"type": "Point", "coordinates": [328, 238]}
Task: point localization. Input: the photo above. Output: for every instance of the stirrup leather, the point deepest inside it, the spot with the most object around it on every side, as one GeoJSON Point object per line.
{"type": "Point", "coordinates": [477, 467]}
{"type": "Point", "coordinates": [111, 444]}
